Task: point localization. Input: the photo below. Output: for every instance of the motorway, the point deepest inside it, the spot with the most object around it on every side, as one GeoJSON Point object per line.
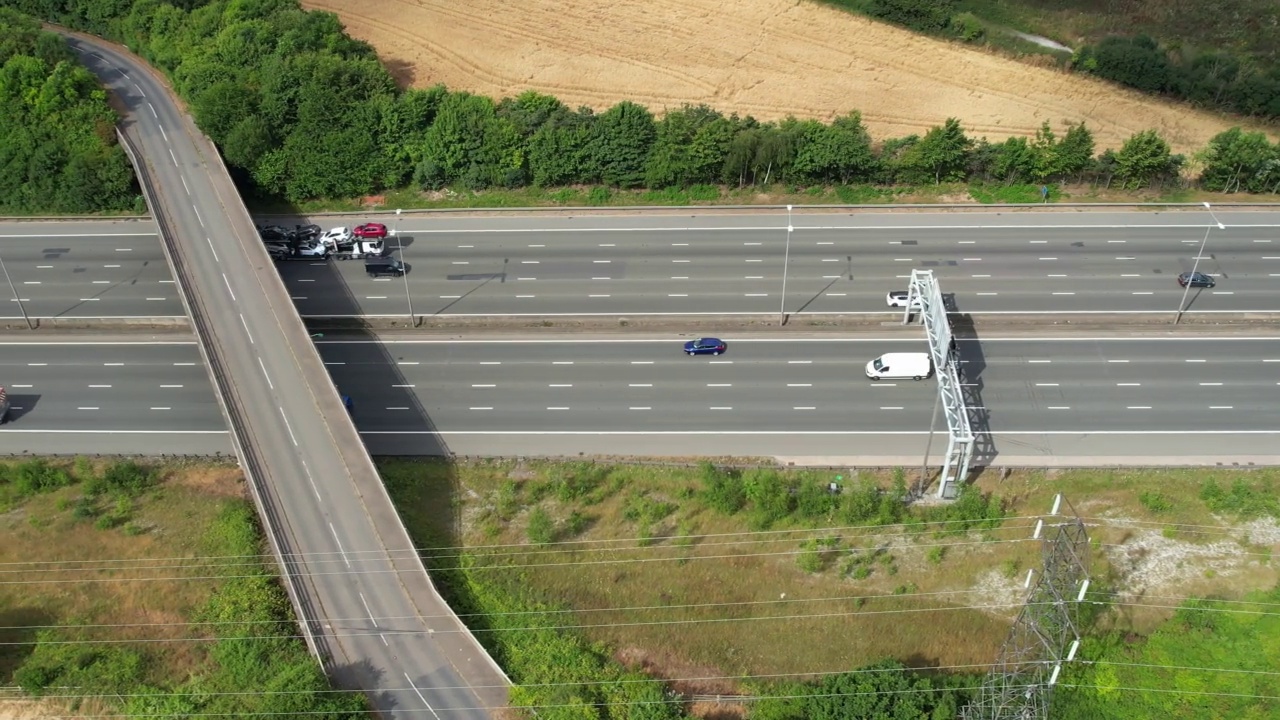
{"type": "Point", "coordinates": [1063, 402]}
{"type": "Point", "coordinates": [318, 491]}
{"type": "Point", "coordinates": [97, 269]}
{"type": "Point", "coordinates": [716, 264]}
{"type": "Point", "coordinates": [713, 264]}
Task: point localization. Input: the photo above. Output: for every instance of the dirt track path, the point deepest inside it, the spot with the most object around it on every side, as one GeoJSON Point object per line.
{"type": "Point", "coordinates": [767, 58]}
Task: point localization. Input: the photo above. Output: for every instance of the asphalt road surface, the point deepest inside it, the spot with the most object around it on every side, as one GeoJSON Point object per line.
{"type": "Point", "coordinates": [379, 621]}
{"type": "Point", "coordinates": [1042, 401]}
{"type": "Point", "coordinates": [98, 269]}
{"type": "Point", "coordinates": [715, 264]}
{"type": "Point", "coordinates": [84, 398]}
{"type": "Point", "coordinates": [1059, 401]}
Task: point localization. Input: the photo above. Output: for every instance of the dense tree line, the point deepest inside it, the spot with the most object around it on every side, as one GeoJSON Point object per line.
{"type": "Point", "coordinates": [1216, 79]}
{"type": "Point", "coordinates": [300, 111]}
{"type": "Point", "coordinates": [58, 150]}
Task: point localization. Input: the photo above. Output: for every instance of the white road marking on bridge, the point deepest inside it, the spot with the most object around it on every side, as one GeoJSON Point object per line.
{"type": "Point", "coordinates": [830, 259]}
{"type": "Point", "coordinates": [679, 277]}
{"type": "Point", "coordinates": [804, 407]}
{"type": "Point", "coordinates": [1058, 407]}
{"type": "Point", "coordinates": [1139, 407]}
{"type": "Point", "coordinates": [1221, 407]}
{"type": "Point", "coordinates": [50, 267]}
{"type": "Point", "coordinates": [116, 364]}
{"type": "Point", "coordinates": [640, 385]}
{"type": "Point", "coordinates": [1145, 292]}
{"type": "Point", "coordinates": [799, 384]}
{"type": "Point", "coordinates": [161, 408]}
{"type": "Point", "coordinates": [561, 362]}
{"type": "Point", "coordinates": [315, 490]}
{"type": "Point", "coordinates": [86, 408]}
{"type": "Point", "coordinates": [364, 602]}
{"type": "Point", "coordinates": [461, 262]}
{"type": "Point", "coordinates": [88, 299]}
{"type": "Point", "coordinates": [836, 294]}
{"type": "Point", "coordinates": [1046, 384]}
{"type": "Point", "coordinates": [265, 374]}
{"type": "Point", "coordinates": [890, 407]}
{"type": "Point", "coordinates": [1117, 361]}
{"type": "Point", "coordinates": [229, 290]}
{"type": "Point", "coordinates": [197, 211]}
{"type": "Point", "coordinates": [601, 278]}
{"type": "Point", "coordinates": [1128, 384]}
{"type": "Point", "coordinates": [681, 261]}
{"type": "Point", "coordinates": [560, 385]}
{"type": "Point", "coordinates": [680, 244]}
{"type": "Point", "coordinates": [677, 295]}
{"type": "Point", "coordinates": [601, 262]}
{"type": "Point", "coordinates": [982, 276]}
{"type": "Point", "coordinates": [526, 296]}
{"type": "Point", "coordinates": [287, 426]}
{"type": "Point", "coordinates": [153, 111]}
{"type": "Point", "coordinates": [828, 242]}
{"type": "Point", "coordinates": [36, 364]}
{"type": "Point", "coordinates": [1131, 275]}
{"type": "Point", "coordinates": [966, 242]}
{"type": "Point", "coordinates": [99, 386]}
{"type": "Point", "coordinates": [720, 407]}
{"type": "Point", "coordinates": [1262, 241]}
{"type": "Point", "coordinates": [1126, 258]}
{"type": "Point", "coordinates": [537, 246]}
{"type": "Point", "coordinates": [756, 243]}
{"type": "Point", "coordinates": [105, 266]}
{"type": "Point", "coordinates": [1048, 258]}
{"type": "Point", "coordinates": [420, 696]}
{"type": "Point", "coordinates": [753, 260]}
{"type": "Point", "coordinates": [799, 362]}
{"type": "Point", "coordinates": [184, 184]}
{"type": "Point", "coordinates": [1197, 360]}
{"type": "Point", "coordinates": [1057, 275]}
{"type": "Point", "coordinates": [375, 297]}
{"type": "Point", "coordinates": [1210, 384]}
{"type": "Point", "coordinates": [1064, 293]}
{"type": "Point", "coordinates": [748, 277]}
{"type": "Point", "coordinates": [987, 293]}
{"type": "Point", "coordinates": [599, 296]}
{"type": "Point", "coordinates": [755, 294]}
{"type": "Point", "coordinates": [339, 541]}
{"type": "Point", "coordinates": [483, 385]}
{"type": "Point", "coordinates": [101, 282]}
{"type": "Point", "coordinates": [1220, 292]}
{"type": "Point", "coordinates": [607, 245]}
{"type": "Point", "coordinates": [175, 157]}
{"type": "Point", "coordinates": [481, 408]}
{"type": "Point", "coordinates": [30, 282]}
{"type": "Point", "coordinates": [490, 362]}
{"type": "Point", "coordinates": [971, 259]}
{"type": "Point", "coordinates": [640, 407]}
{"type": "Point", "coordinates": [170, 386]}
{"type": "Point", "coordinates": [719, 384]}
{"type": "Point", "coordinates": [527, 278]}
{"type": "Point", "coordinates": [558, 408]}
{"type": "Point", "coordinates": [20, 386]}
{"type": "Point", "coordinates": [246, 329]}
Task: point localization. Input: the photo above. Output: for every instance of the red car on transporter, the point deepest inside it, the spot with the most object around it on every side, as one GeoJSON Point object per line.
{"type": "Point", "coordinates": [370, 231]}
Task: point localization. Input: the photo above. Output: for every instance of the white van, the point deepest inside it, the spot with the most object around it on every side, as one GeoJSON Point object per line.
{"type": "Point", "coordinates": [900, 366]}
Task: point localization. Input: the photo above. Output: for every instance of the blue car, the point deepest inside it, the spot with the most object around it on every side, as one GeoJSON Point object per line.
{"type": "Point", "coordinates": [704, 346]}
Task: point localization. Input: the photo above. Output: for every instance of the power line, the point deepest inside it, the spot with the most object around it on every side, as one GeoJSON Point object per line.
{"type": "Point", "coordinates": [857, 612]}
{"type": "Point", "coordinates": [436, 711]}
{"type": "Point", "coordinates": [547, 547]}
{"type": "Point", "coordinates": [561, 611]}
{"type": "Point", "coordinates": [681, 558]}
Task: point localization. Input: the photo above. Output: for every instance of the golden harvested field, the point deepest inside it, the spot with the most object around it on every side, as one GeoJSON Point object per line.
{"type": "Point", "coordinates": [767, 58]}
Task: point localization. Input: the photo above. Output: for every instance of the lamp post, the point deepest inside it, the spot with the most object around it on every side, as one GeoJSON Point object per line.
{"type": "Point", "coordinates": [786, 259]}
{"type": "Point", "coordinates": [16, 297]}
{"type": "Point", "coordinates": [1196, 264]}
{"type": "Point", "coordinates": [404, 270]}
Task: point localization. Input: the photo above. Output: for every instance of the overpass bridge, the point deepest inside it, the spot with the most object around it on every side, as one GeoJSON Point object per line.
{"type": "Point", "coordinates": [366, 606]}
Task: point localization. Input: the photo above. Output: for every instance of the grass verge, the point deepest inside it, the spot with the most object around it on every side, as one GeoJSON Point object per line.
{"type": "Point", "coordinates": [949, 193]}
{"type": "Point", "coordinates": [706, 577]}
{"type": "Point", "coordinates": [143, 592]}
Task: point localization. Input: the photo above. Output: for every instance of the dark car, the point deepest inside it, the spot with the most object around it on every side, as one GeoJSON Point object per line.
{"type": "Point", "coordinates": [705, 346]}
{"type": "Point", "coordinates": [370, 231]}
{"type": "Point", "coordinates": [380, 266]}
{"type": "Point", "coordinates": [307, 232]}
{"type": "Point", "coordinates": [1197, 279]}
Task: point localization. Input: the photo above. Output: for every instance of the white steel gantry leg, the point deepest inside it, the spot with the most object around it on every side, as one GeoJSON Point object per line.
{"type": "Point", "coordinates": [925, 297]}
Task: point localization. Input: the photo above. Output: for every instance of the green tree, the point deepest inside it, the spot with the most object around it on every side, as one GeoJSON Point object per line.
{"type": "Point", "coordinates": [1075, 152]}
{"type": "Point", "coordinates": [1143, 159]}
{"type": "Point", "coordinates": [942, 154]}
{"type": "Point", "coordinates": [837, 153]}
{"type": "Point", "coordinates": [1236, 160]}
{"type": "Point", "coordinates": [620, 144]}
